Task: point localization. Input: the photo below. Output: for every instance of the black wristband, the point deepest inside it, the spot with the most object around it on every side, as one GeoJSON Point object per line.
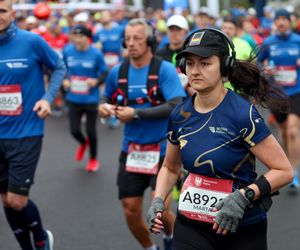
{"type": "Point", "coordinates": [263, 186]}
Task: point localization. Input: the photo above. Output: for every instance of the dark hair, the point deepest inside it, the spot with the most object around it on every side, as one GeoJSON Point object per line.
{"type": "Point", "coordinates": [230, 20]}
{"type": "Point", "coordinates": [248, 79]}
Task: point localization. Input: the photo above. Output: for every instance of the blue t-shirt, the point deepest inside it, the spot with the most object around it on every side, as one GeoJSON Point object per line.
{"type": "Point", "coordinates": [216, 144]}
{"type": "Point", "coordinates": [111, 39]}
{"type": "Point", "coordinates": [151, 130]}
{"type": "Point", "coordinates": [21, 64]}
{"type": "Point", "coordinates": [84, 64]}
{"type": "Point", "coordinates": [284, 51]}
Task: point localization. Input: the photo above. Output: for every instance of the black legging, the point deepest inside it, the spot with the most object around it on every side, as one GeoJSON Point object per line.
{"type": "Point", "coordinates": [75, 113]}
{"type": "Point", "coordinates": [190, 235]}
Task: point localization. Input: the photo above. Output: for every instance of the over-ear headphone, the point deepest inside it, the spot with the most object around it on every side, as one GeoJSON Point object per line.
{"type": "Point", "coordinates": [228, 61]}
{"type": "Point", "coordinates": [151, 39]}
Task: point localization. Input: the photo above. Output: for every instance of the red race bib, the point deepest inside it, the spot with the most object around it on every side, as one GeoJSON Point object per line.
{"type": "Point", "coordinates": [143, 159]}
{"type": "Point", "coordinates": [199, 194]}
{"type": "Point", "coordinates": [286, 75]}
{"type": "Point", "coordinates": [79, 85]}
{"type": "Point", "coordinates": [111, 59]}
{"type": "Point", "coordinates": [10, 100]}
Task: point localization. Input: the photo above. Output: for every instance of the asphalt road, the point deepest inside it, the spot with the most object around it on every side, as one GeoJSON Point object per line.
{"type": "Point", "coordinates": [82, 209]}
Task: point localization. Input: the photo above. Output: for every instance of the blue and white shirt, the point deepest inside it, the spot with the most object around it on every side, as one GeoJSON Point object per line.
{"type": "Point", "coordinates": [284, 51]}
{"type": "Point", "coordinates": [151, 130]}
{"type": "Point", "coordinates": [83, 65]}
{"type": "Point", "coordinates": [22, 61]}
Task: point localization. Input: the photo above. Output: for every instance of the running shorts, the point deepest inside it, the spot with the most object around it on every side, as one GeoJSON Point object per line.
{"type": "Point", "coordinates": [18, 162]}
{"type": "Point", "coordinates": [133, 184]}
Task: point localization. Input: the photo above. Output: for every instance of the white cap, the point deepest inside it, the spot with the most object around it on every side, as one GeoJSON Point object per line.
{"type": "Point", "coordinates": [81, 17]}
{"type": "Point", "coordinates": [178, 21]}
{"type": "Point", "coordinates": [31, 19]}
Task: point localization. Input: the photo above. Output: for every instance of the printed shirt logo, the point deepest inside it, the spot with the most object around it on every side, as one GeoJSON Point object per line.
{"type": "Point", "coordinates": [196, 39]}
{"type": "Point", "coordinates": [257, 120]}
{"type": "Point", "coordinates": [212, 129]}
{"type": "Point", "coordinates": [220, 130]}
{"type": "Point", "coordinates": [16, 65]}
{"type": "Point", "coordinates": [182, 143]}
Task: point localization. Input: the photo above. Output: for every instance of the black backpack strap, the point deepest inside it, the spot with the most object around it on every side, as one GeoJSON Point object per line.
{"type": "Point", "coordinates": [154, 93]}
{"type": "Point", "coordinates": [122, 84]}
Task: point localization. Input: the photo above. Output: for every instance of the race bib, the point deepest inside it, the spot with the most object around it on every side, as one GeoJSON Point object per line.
{"type": "Point", "coordinates": [199, 194]}
{"type": "Point", "coordinates": [286, 75]}
{"type": "Point", "coordinates": [79, 85]}
{"type": "Point", "coordinates": [143, 159]}
{"type": "Point", "coordinates": [10, 100]}
{"type": "Point", "coordinates": [111, 59]}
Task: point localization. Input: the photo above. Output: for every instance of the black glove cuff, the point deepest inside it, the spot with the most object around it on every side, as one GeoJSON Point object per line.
{"type": "Point", "coordinates": [263, 186]}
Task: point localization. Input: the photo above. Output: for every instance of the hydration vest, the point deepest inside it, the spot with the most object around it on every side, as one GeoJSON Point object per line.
{"type": "Point", "coordinates": [154, 95]}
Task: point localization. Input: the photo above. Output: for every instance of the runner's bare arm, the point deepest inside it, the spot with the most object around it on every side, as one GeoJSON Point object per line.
{"type": "Point", "coordinates": [169, 172]}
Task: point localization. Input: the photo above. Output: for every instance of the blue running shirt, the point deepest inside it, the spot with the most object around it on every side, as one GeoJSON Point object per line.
{"type": "Point", "coordinates": [21, 65]}
{"type": "Point", "coordinates": [151, 130]}
{"type": "Point", "coordinates": [284, 51]}
{"type": "Point", "coordinates": [110, 39]}
{"type": "Point", "coordinates": [84, 64]}
{"type": "Point", "coordinates": [216, 144]}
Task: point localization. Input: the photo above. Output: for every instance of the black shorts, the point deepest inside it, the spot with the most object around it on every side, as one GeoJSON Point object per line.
{"type": "Point", "coordinates": [294, 101]}
{"type": "Point", "coordinates": [133, 184]}
{"type": "Point", "coordinates": [190, 235]}
{"type": "Point", "coordinates": [18, 162]}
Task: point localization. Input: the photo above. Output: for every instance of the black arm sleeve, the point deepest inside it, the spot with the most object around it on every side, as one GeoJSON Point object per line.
{"type": "Point", "coordinates": [102, 78]}
{"type": "Point", "coordinates": [105, 99]}
{"type": "Point", "coordinates": [160, 111]}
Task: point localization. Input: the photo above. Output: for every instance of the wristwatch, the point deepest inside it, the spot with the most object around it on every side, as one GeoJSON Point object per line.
{"type": "Point", "coordinates": [249, 194]}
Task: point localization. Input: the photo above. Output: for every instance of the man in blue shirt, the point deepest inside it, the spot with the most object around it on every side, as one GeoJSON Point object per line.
{"type": "Point", "coordinates": [23, 106]}
{"type": "Point", "coordinates": [85, 65]}
{"type": "Point", "coordinates": [280, 55]}
{"type": "Point", "coordinates": [143, 100]}
{"type": "Point", "coordinates": [109, 38]}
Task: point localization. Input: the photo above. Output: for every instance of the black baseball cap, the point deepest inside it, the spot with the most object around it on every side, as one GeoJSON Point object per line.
{"type": "Point", "coordinates": [79, 29]}
{"type": "Point", "coordinates": [205, 43]}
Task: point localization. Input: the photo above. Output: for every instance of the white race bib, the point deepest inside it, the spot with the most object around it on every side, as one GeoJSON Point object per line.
{"type": "Point", "coordinates": [10, 100]}
{"type": "Point", "coordinates": [143, 159]}
{"type": "Point", "coordinates": [79, 85]}
{"type": "Point", "coordinates": [286, 75]}
{"type": "Point", "coordinates": [199, 194]}
{"type": "Point", "coordinates": [111, 59]}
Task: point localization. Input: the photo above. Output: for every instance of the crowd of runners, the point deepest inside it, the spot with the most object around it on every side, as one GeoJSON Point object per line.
{"type": "Point", "coordinates": [185, 89]}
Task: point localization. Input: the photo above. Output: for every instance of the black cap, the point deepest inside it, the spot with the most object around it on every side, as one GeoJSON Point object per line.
{"type": "Point", "coordinates": [205, 44]}
{"type": "Point", "coordinates": [79, 29]}
{"type": "Point", "coordinates": [282, 13]}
